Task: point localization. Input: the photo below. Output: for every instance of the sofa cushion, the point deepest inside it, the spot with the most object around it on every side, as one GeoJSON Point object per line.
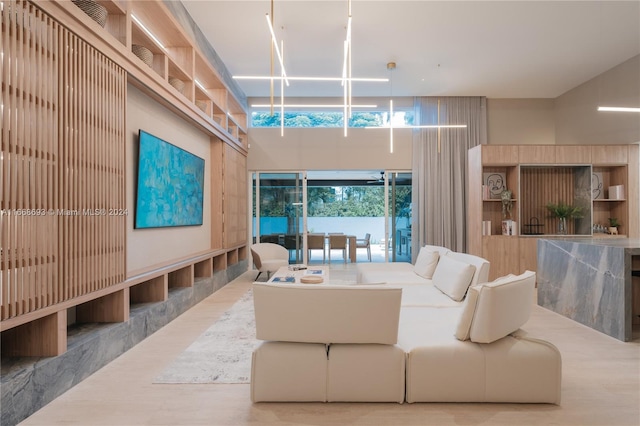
{"type": "Point", "coordinates": [464, 323]}
{"type": "Point", "coordinates": [284, 371]}
{"type": "Point", "coordinates": [368, 272]}
{"type": "Point", "coordinates": [394, 277]}
{"type": "Point", "coordinates": [441, 250]}
{"type": "Point", "coordinates": [426, 295]}
{"type": "Point", "coordinates": [503, 306]}
{"type": "Point", "coordinates": [327, 313]}
{"type": "Point", "coordinates": [426, 263]}
{"type": "Point", "coordinates": [453, 277]}
{"type": "Point", "coordinates": [481, 265]}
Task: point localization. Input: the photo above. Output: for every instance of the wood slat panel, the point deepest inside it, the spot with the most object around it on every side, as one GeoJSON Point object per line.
{"type": "Point", "coordinates": [543, 185]}
{"type": "Point", "coordinates": [234, 198]}
{"type": "Point", "coordinates": [62, 168]}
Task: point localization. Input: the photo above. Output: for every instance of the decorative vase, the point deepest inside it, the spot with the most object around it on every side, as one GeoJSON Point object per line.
{"type": "Point", "coordinates": [562, 226]}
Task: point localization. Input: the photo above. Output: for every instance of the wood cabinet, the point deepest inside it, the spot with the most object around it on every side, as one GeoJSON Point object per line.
{"type": "Point", "coordinates": [537, 175]}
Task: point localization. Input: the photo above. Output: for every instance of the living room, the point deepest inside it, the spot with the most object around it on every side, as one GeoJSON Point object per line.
{"type": "Point", "coordinates": [122, 392]}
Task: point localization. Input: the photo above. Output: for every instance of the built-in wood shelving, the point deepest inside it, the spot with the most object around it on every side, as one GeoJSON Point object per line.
{"type": "Point", "coordinates": [44, 333]}
{"type": "Point", "coordinates": [538, 174]}
{"type": "Point", "coordinates": [39, 328]}
{"type": "Point", "coordinates": [175, 55]}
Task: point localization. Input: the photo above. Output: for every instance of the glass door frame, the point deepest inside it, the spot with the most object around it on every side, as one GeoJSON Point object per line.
{"type": "Point", "coordinates": [254, 182]}
{"type": "Point", "coordinates": [389, 228]}
{"type": "Point", "coordinates": [391, 250]}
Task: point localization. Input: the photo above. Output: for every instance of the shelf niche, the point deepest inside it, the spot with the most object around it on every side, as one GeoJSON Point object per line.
{"type": "Point", "coordinates": [541, 185]}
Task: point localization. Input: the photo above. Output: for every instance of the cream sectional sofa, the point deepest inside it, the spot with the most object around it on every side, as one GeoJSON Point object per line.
{"type": "Point", "coordinates": [436, 339]}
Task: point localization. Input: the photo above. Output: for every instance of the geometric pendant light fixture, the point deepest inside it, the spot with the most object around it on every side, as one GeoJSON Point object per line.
{"type": "Point", "coordinates": [346, 79]}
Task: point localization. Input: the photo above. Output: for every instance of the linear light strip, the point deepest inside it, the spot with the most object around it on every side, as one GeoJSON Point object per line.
{"type": "Point", "coordinates": [345, 117]}
{"type": "Point", "coordinates": [282, 98]}
{"type": "Point", "coordinates": [344, 62]}
{"type": "Point", "coordinates": [390, 126]}
{"type": "Point", "coordinates": [147, 31]}
{"type": "Point", "coordinates": [434, 126]}
{"type": "Point", "coordinates": [266, 77]}
{"type": "Point", "coordinates": [200, 85]}
{"type": "Point", "coordinates": [349, 81]}
{"type": "Point", "coordinates": [618, 109]}
{"type": "Point", "coordinates": [275, 43]}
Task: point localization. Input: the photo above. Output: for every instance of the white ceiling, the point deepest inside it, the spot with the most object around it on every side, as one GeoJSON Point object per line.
{"type": "Point", "coordinates": [498, 49]}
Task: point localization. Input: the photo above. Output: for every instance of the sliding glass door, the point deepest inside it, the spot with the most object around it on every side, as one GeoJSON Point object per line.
{"type": "Point", "coordinates": [399, 215]}
{"type": "Point", "coordinates": [360, 204]}
{"type": "Point", "coordinates": [278, 211]}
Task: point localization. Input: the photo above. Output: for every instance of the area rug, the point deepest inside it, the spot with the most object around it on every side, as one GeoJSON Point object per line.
{"type": "Point", "coordinates": [222, 354]}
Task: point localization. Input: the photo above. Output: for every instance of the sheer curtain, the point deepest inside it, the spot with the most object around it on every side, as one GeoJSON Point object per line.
{"type": "Point", "coordinates": [440, 168]}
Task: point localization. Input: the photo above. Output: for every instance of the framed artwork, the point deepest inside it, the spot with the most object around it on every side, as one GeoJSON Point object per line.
{"type": "Point", "coordinates": [170, 187]}
{"type": "Point", "coordinates": [496, 183]}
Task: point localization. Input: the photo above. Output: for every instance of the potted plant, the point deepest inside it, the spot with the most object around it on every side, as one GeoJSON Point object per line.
{"type": "Point", "coordinates": [613, 225]}
{"type": "Point", "coordinates": [563, 212]}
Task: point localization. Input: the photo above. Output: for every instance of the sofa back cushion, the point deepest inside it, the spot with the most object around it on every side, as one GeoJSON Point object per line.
{"type": "Point", "coordinates": [481, 274]}
{"type": "Point", "coordinates": [441, 250]}
{"type": "Point", "coordinates": [426, 263]}
{"type": "Point", "coordinates": [327, 313]}
{"type": "Point", "coordinates": [464, 323]}
{"type": "Point", "coordinates": [463, 329]}
{"type": "Point", "coordinates": [453, 277]}
{"type": "Point", "coordinates": [502, 307]}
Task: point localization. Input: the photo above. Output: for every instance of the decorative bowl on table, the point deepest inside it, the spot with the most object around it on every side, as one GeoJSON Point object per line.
{"type": "Point", "coordinates": [311, 279]}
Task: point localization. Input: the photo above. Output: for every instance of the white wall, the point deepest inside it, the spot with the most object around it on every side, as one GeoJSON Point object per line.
{"type": "Point", "coordinates": [579, 123]}
{"type": "Point", "coordinates": [572, 118]}
{"type": "Point", "coordinates": [520, 121]}
{"type": "Point", "coordinates": [510, 121]}
{"type": "Point", "coordinates": [148, 247]}
{"type": "Point", "coordinates": [328, 148]}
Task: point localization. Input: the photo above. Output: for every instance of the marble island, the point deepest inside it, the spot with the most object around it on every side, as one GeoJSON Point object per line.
{"type": "Point", "coordinates": [590, 281]}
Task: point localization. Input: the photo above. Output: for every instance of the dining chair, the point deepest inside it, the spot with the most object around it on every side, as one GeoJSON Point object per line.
{"type": "Point", "coordinates": [338, 242]}
{"type": "Point", "coordinates": [365, 243]}
{"type": "Point", "coordinates": [316, 242]}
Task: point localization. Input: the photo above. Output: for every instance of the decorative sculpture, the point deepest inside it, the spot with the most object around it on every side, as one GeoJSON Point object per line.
{"type": "Point", "coordinates": [505, 196]}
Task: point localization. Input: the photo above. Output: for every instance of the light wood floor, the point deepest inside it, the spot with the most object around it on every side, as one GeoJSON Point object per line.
{"type": "Point", "coordinates": [601, 385]}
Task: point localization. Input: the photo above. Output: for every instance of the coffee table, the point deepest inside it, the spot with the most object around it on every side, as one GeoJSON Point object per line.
{"type": "Point", "coordinates": [285, 275]}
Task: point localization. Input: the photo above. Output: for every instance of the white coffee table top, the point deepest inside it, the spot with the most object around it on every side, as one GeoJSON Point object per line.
{"type": "Point", "coordinates": [286, 274]}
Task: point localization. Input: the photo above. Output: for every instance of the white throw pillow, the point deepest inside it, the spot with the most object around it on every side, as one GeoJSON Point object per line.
{"type": "Point", "coordinates": [502, 307]}
{"type": "Point", "coordinates": [463, 330]}
{"type": "Point", "coordinates": [453, 277]}
{"type": "Point", "coordinates": [426, 263]}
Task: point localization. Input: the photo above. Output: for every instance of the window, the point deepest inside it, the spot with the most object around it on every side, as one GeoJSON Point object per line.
{"type": "Point", "coordinates": [329, 119]}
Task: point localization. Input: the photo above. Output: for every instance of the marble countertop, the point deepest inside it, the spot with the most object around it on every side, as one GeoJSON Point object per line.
{"type": "Point", "coordinates": [627, 243]}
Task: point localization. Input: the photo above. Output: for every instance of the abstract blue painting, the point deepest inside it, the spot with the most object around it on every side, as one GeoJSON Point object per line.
{"type": "Point", "coordinates": [170, 185]}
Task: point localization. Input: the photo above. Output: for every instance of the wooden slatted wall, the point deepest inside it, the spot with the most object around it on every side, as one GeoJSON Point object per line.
{"type": "Point", "coordinates": [542, 185]}
{"type": "Point", "coordinates": [235, 198]}
{"type": "Point", "coordinates": [62, 167]}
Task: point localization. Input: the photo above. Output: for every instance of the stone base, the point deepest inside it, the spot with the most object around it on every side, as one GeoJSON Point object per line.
{"type": "Point", "coordinates": [28, 383]}
{"type": "Point", "coordinates": [587, 281]}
